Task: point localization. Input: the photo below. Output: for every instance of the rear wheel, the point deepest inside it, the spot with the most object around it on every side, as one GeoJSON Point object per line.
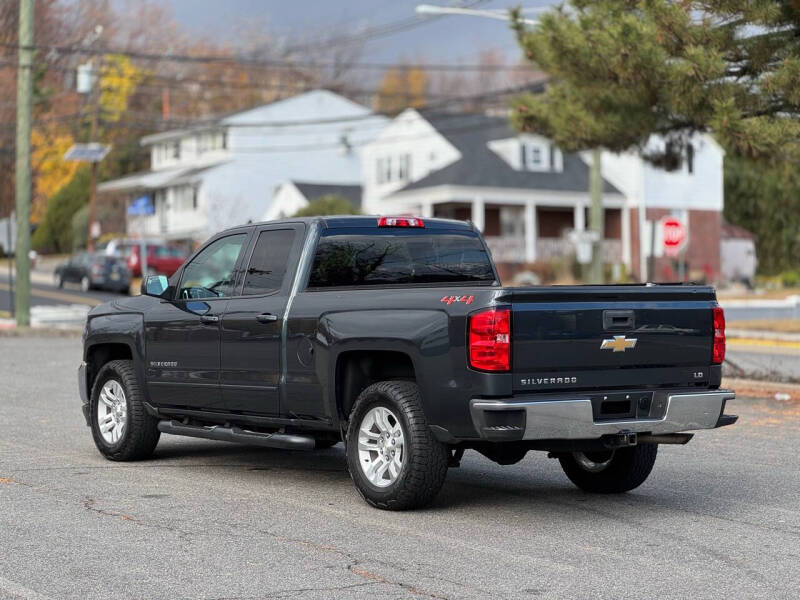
{"type": "Point", "coordinates": [59, 280]}
{"type": "Point", "coordinates": [86, 284]}
{"type": "Point", "coordinates": [610, 471]}
{"type": "Point", "coordinates": [121, 428]}
{"type": "Point", "coordinates": [393, 458]}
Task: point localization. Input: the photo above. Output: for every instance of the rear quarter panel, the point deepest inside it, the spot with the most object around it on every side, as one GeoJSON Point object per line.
{"type": "Point", "coordinates": [419, 322]}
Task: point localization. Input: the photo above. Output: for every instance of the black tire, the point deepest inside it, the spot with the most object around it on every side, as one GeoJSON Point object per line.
{"type": "Point", "coordinates": [86, 284]}
{"type": "Point", "coordinates": [141, 433]}
{"type": "Point", "coordinates": [425, 458]}
{"type": "Point", "coordinates": [628, 468]}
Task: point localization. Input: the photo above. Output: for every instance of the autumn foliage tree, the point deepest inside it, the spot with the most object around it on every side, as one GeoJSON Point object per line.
{"type": "Point", "coordinates": [400, 89]}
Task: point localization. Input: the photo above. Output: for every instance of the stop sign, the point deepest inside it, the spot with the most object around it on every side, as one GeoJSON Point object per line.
{"type": "Point", "coordinates": [673, 232]}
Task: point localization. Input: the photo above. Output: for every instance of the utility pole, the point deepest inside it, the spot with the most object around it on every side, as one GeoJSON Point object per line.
{"type": "Point", "coordinates": [22, 191]}
{"type": "Point", "coordinates": [596, 217]}
{"type": "Point", "coordinates": [93, 168]}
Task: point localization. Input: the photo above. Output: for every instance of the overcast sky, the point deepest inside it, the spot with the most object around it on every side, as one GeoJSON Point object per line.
{"type": "Point", "coordinates": [449, 38]}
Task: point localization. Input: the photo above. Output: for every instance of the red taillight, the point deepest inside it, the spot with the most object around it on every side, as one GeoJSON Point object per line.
{"type": "Point", "coordinates": [400, 222]}
{"type": "Point", "coordinates": [718, 354]}
{"type": "Point", "coordinates": [490, 340]}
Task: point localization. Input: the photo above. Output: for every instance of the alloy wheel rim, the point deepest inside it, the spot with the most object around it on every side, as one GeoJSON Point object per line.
{"type": "Point", "coordinates": [381, 446]}
{"type": "Point", "coordinates": [112, 411]}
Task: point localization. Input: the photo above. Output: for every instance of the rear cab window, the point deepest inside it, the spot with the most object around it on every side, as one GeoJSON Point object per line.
{"type": "Point", "coordinates": [359, 257]}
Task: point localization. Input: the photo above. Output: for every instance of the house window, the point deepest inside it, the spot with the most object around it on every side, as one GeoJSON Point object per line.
{"type": "Point", "coordinates": [176, 150]}
{"type": "Point", "coordinates": [535, 156]}
{"type": "Point", "coordinates": [404, 167]}
{"type": "Point", "coordinates": [379, 172]}
{"type": "Point", "coordinates": [690, 158]}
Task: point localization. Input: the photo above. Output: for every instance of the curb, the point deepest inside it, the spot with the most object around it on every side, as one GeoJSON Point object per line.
{"type": "Point", "coordinates": [781, 392]}
{"type": "Point", "coordinates": [753, 334]}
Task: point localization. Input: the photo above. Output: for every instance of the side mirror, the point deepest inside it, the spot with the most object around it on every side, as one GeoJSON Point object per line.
{"type": "Point", "coordinates": [154, 285]}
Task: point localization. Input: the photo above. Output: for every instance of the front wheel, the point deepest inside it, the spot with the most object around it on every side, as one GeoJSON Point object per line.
{"type": "Point", "coordinates": [393, 458]}
{"type": "Point", "coordinates": [610, 471]}
{"type": "Point", "coordinates": [121, 428]}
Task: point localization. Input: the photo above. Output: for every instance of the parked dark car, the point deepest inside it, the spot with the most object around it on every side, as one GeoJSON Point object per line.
{"type": "Point", "coordinates": [395, 336]}
{"type": "Point", "coordinates": [94, 271]}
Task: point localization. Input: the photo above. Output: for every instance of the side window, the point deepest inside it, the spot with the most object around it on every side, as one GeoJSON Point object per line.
{"type": "Point", "coordinates": [210, 274]}
{"type": "Point", "coordinates": [267, 266]}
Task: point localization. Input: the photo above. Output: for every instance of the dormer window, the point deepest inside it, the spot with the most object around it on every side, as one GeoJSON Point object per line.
{"type": "Point", "coordinates": [535, 156]}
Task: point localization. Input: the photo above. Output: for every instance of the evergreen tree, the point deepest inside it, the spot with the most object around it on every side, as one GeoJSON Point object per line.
{"type": "Point", "coordinates": [622, 70]}
{"type": "Point", "coordinates": [331, 204]}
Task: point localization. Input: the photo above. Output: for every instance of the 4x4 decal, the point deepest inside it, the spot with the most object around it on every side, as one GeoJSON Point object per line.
{"type": "Point", "coordinates": [450, 299]}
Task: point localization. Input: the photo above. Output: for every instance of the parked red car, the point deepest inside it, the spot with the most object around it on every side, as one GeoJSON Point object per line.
{"type": "Point", "coordinates": [162, 259]}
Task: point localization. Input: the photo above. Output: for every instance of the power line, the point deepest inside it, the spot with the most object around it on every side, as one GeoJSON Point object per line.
{"type": "Point", "coordinates": [481, 124]}
{"type": "Point", "coordinates": [243, 61]}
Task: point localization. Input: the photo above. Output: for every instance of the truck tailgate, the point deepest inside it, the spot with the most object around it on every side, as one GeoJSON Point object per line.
{"type": "Point", "coordinates": [563, 332]}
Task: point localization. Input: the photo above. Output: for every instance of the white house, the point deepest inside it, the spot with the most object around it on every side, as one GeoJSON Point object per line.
{"type": "Point", "coordinates": [525, 194]}
{"type": "Point", "coordinates": [226, 171]}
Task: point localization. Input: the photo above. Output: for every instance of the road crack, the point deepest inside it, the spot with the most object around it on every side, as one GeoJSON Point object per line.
{"type": "Point", "coordinates": [356, 566]}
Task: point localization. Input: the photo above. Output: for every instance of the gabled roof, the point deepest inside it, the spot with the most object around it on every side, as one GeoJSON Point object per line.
{"type": "Point", "coordinates": [150, 180]}
{"type": "Point", "coordinates": [479, 166]}
{"type": "Point", "coordinates": [296, 110]}
{"type": "Point", "coordinates": [731, 231]}
{"type": "Point", "coordinates": [312, 191]}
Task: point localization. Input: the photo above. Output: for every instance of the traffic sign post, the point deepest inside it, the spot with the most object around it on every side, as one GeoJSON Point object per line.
{"type": "Point", "coordinates": [673, 234]}
{"type": "Point", "coordinates": [92, 153]}
{"type": "Point", "coordinates": [674, 237]}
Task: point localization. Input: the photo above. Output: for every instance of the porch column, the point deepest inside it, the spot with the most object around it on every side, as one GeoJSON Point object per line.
{"type": "Point", "coordinates": [478, 213]}
{"type": "Point", "coordinates": [426, 210]}
{"type": "Point", "coordinates": [626, 236]}
{"type": "Point", "coordinates": [530, 231]}
{"type": "Point", "coordinates": [579, 218]}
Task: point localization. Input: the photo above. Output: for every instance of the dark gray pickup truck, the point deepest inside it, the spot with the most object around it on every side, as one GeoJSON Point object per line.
{"type": "Point", "coordinates": [395, 336]}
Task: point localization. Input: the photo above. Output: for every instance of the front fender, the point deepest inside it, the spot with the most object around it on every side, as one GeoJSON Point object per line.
{"type": "Point", "coordinates": [116, 328]}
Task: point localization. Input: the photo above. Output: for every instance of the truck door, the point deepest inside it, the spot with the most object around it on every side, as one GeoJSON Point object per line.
{"type": "Point", "coordinates": [253, 321]}
{"type": "Point", "coordinates": [183, 333]}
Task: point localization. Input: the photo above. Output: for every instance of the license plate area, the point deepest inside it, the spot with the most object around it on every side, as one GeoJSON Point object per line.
{"type": "Point", "coordinates": [622, 405]}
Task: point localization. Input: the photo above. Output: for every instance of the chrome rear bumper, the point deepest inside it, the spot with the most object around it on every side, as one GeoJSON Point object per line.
{"type": "Point", "coordinates": [571, 417]}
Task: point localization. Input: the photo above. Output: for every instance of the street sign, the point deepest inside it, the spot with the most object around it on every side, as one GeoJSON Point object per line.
{"type": "Point", "coordinates": [92, 153]}
{"type": "Point", "coordinates": [141, 206]}
{"type": "Point", "coordinates": [673, 234]}
{"type": "Point", "coordinates": [583, 240]}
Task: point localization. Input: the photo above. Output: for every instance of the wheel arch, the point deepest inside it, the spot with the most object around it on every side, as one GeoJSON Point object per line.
{"type": "Point", "coordinates": [102, 353]}
{"type": "Point", "coordinates": [359, 368]}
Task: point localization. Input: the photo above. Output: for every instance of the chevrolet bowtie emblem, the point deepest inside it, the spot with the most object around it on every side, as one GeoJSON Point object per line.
{"type": "Point", "coordinates": [619, 343]}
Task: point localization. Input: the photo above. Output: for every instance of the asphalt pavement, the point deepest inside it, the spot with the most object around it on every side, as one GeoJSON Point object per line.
{"type": "Point", "coordinates": [718, 518]}
{"type": "Point", "coordinates": [767, 359]}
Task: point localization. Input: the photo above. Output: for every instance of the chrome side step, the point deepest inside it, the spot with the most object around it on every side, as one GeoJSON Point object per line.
{"type": "Point", "coordinates": [235, 434]}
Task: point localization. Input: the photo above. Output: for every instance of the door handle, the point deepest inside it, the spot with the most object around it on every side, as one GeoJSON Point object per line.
{"type": "Point", "coordinates": [209, 319]}
{"type": "Point", "coordinates": [266, 318]}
